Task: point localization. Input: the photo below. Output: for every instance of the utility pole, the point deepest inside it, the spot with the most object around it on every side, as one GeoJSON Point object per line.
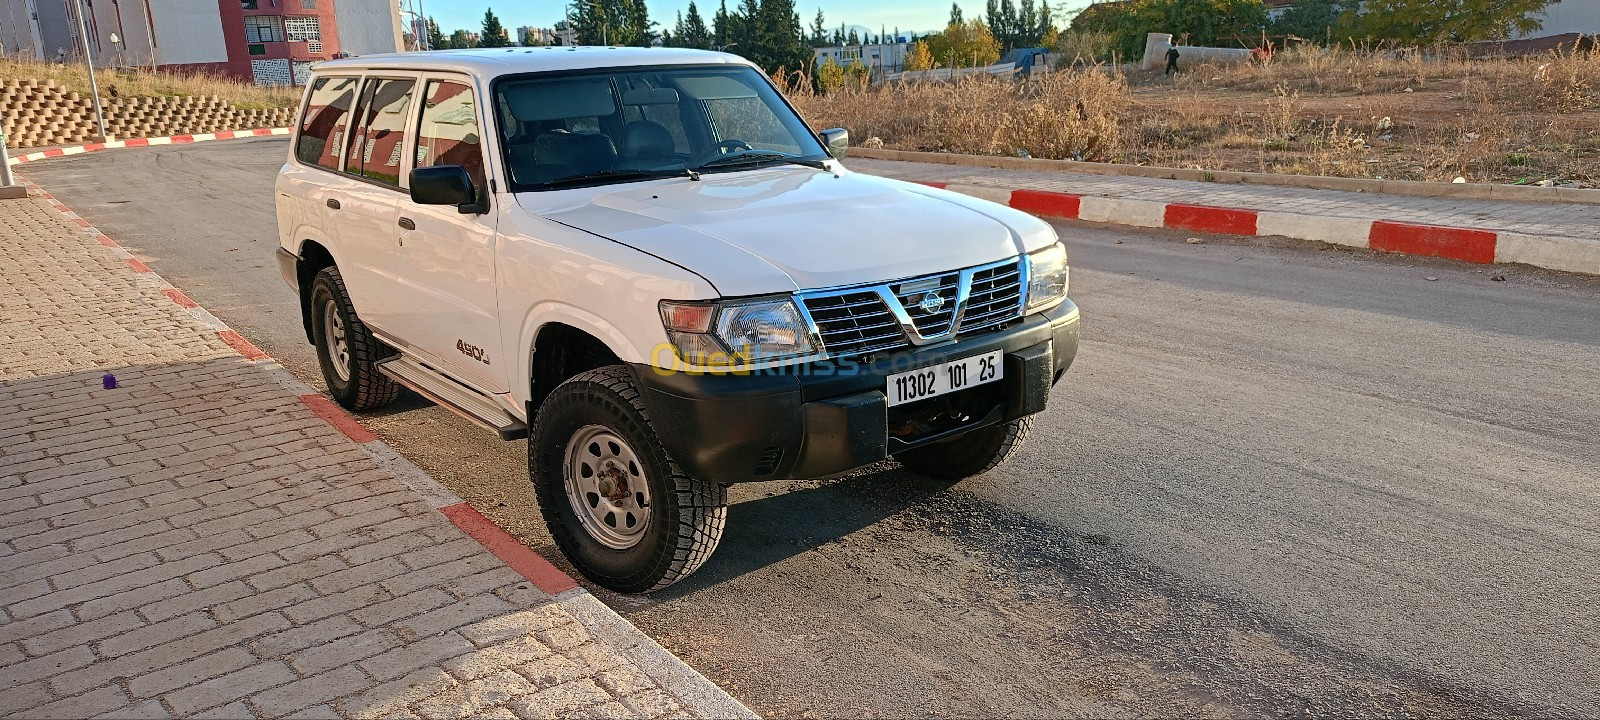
{"type": "Point", "coordinates": [150, 33]}
{"type": "Point", "coordinates": [88, 60]}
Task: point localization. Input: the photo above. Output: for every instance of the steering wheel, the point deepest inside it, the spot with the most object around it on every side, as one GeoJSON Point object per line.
{"type": "Point", "coordinates": [723, 148]}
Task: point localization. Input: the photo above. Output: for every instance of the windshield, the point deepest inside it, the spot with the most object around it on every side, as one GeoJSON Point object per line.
{"type": "Point", "coordinates": [594, 128]}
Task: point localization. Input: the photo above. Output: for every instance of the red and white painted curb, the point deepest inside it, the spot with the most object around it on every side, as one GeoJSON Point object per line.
{"type": "Point", "coordinates": [1466, 244]}
{"type": "Point", "coordinates": [533, 567]}
{"type": "Point", "coordinates": [670, 672]}
{"type": "Point", "coordinates": [146, 142]}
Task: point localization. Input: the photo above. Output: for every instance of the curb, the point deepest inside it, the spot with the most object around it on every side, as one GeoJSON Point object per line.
{"type": "Point", "coordinates": [1473, 245]}
{"type": "Point", "coordinates": [1464, 191]}
{"type": "Point", "coordinates": [662, 666]}
{"type": "Point", "coordinates": [145, 142]}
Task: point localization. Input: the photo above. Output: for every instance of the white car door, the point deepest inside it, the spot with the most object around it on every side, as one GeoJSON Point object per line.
{"type": "Point", "coordinates": [450, 309]}
{"type": "Point", "coordinates": [365, 199]}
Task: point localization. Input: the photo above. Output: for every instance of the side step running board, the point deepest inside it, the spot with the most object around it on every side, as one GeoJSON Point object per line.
{"type": "Point", "coordinates": [453, 396]}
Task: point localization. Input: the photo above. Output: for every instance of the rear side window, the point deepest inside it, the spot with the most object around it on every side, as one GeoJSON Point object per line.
{"type": "Point", "coordinates": [448, 133]}
{"type": "Point", "coordinates": [327, 116]}
{"type": "Point", "coordinates": [377, 142]}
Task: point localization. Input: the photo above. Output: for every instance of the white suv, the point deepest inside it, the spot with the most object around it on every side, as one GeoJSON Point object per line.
{"type": "Point", "coordinates": [644, 261]}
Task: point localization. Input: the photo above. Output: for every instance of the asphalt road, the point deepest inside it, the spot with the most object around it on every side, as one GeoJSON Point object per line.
{"type": "Point", "coordinates": [1281, 480]}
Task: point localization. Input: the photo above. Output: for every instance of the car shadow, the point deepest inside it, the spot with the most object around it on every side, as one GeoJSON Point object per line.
{"type": "Point", "coordinates": [796, 517]}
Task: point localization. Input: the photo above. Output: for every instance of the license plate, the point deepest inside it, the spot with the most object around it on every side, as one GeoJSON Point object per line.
{"type": "Point", "coordinates": [944, 378]}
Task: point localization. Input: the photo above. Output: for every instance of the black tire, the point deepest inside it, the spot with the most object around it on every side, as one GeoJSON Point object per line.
{"type": "Point", "coordinates": [970, 454]}
{"type": "Point", "coordinates": [686, 515]}
{"type": "Point", "coordinates": [365, 388]}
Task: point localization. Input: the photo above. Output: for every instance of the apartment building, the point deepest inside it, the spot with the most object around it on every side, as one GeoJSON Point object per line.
{"type": "Point", "coordinates": [269, 42]}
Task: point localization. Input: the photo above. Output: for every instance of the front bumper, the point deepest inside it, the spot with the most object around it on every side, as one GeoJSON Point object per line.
{"type": "Point", "coordinates": [804, 422]}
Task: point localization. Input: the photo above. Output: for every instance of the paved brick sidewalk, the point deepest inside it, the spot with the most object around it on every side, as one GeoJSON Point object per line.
{"type": "Point", "coordinates": [198, 542]}
{"type": "Point", "coordinates": [1569, 220]}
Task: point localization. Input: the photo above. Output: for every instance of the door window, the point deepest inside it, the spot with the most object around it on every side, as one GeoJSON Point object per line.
{"type": "Point", "coordinates": [377, 143]}
{"type": "Point", "coordinates": [448, 133]}
{"type": "Point", "coordinates": [327, 115]}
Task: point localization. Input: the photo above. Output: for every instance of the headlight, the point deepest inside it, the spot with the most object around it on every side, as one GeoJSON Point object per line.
{"type": "Point", "coordinates": [744, 332]}
{"type": "Point", "coordinates": [1047, 276]}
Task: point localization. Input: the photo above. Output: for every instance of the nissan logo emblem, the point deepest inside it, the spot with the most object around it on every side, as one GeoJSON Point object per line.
{"type": "Point", "coordinates": [931, 302]}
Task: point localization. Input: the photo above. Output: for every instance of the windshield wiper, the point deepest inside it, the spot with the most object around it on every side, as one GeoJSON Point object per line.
{"type": "Point", "coordinates": [762, 156]}
{"type": "Point", "coordinates": [614, 175]}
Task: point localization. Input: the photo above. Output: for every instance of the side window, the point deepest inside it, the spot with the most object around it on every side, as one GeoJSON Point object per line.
{"type": "Point", "coordinates": [448, 133]}
{"type": "Point", "coordinates": [378, 141]}
{"type": "Point", "coordinates": [327, 115]}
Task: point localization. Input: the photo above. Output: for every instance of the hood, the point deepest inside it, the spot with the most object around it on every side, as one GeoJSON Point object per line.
{"type": "Point", "coordinates": [792, 228]}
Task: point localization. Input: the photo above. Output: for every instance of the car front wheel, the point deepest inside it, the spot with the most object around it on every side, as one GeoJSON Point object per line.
{"type": "Point", "coordinates": [346, 349]}
{"type": "Point", "coordinates": [616, 504]}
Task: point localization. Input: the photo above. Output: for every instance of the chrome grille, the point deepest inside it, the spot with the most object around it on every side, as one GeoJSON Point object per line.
{"type": "Point", "coordinates": [854, 323]}
{"type": "Point", "coordinates": [996, 297]}
{"type": "Point", "coordinates": [861, 320]}
{"type": "Point", "coordinates": [911, 293]}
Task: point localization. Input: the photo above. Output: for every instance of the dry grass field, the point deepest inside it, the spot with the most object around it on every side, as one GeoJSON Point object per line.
{"type": "Point", "coordinates": [1434, 115]}
{"type": "Point", "coordinates": [140, 83]}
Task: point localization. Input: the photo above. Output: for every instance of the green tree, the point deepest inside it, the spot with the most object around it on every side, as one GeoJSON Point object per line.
{"type": "Point", "coordinates": [777, 36]}
{"type": "Point", "coordinates": [436, 39]}
{"type": "Point", "coordinates": [745, 32]}
{"type": "Point", "coordinates": [494, 34]}
{"type": "Point", "coordinates": [968, 44]}
{"type": "Point", "coordinates": [1198, 22]}
{"type": "Point", "coordinates": [918, 57]}
{"type": "Point", "coordinates": [693, 32]}
{"type": "Point", "coordinates": [722, 27]}
{"type": "Point", "coordinates": [955, 14]}
{"type": "Point", "coordinates": [819, 30]}
{"type": "Point", "coordinates": [1316, 20]}
{"type": "Point", "coordinates": [1429, 21]}
{"type": "Point", "coordinates": [639, 24]}
{"type": "Point", "coordinates": [461, 39]}
{"type": "Point", "coordinates": [612, 22]}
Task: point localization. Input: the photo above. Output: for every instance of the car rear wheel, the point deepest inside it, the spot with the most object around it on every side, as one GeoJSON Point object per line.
{"type": "Point", "coordinates": [346, 349]}
{"type": "Point", "coordinates": [969, 454]}
{"type": "Point", "coordinates": [616, 504]}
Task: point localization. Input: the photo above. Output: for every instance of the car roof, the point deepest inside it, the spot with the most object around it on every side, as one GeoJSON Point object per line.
{"type": "Point", "coordinates": [493, 62]}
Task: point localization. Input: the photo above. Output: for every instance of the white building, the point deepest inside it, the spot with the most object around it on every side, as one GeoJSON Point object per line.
{"type": "Point", "coordinates": [879, 57]}
{"type": "Point", "coordinates": [268, 41]}
{"type": "Point", "coordinates": [1568, 16]}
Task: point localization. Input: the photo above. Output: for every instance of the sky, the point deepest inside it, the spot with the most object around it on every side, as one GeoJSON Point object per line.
{"type": "Point", "coordinates": [908, 15]}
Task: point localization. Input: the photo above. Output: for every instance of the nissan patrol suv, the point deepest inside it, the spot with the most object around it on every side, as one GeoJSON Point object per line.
{"type": "Point", "coordinates": [643, 261]}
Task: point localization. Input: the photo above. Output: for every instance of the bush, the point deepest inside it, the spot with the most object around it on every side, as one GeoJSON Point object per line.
{"type": "Point", "coordinates": [1065, 115]}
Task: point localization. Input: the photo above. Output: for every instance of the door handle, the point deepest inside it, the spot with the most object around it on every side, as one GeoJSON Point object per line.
{"type": "Point", "coordinates": [406, 223]}
{"type": "Point", "coordinates": [333, 203]}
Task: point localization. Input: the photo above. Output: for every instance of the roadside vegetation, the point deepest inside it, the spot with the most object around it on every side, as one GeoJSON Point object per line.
{"type": "Point", "coordinates": [1432, 114]}
{"type": "Point", "coordinates": [142, 83]}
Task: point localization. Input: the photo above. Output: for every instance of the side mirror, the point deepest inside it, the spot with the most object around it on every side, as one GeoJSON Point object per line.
{"type": "Point", "coordinates": [837, 140]}
{"type": "Point", "coordinates": [445, 185]}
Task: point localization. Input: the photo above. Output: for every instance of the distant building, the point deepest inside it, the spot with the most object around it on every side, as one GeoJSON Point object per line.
{"type": "Point", "coordinates": [529, 35]}
{"type": "Point", "coordinates": [1568, 16]}
{"type": "Point", "coordinates": [877, 57]}
{"type": "Point", "coordinates": [269, 42]}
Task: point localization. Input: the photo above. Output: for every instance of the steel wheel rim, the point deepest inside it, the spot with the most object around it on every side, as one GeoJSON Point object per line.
{"type": "Point", "coordinates": [338, 345]}
{"type": "Point", "coordinates": [607, 487]}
